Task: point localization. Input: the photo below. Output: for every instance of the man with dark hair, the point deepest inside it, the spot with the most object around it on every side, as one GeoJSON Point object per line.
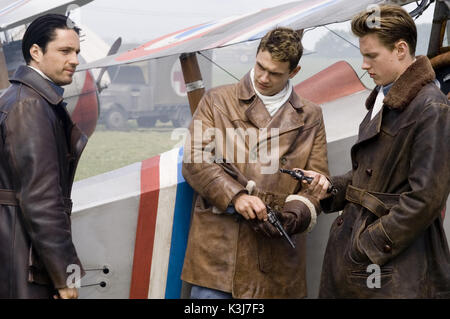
{"type": "Point", "coordinates": [389, 242]}
{"type": "Point", "coordinates": [39, 151]}
{"type": "Point", "coordinates": [245, 257]}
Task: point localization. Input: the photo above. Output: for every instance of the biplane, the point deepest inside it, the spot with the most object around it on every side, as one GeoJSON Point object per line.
{"type": "Point", "coordinates": [148, 204]}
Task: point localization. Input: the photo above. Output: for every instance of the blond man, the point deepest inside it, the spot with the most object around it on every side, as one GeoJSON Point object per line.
{"type": "Point", "coordinates": [389, 242]}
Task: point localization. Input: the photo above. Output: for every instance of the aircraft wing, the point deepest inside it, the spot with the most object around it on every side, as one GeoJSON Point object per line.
{"type": "Point", "coordinates": [215, 34]}
{"type": "Point", "coordinates": [17, 12]}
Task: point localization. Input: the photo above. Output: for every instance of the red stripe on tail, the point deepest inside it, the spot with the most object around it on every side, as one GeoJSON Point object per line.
{"type": "Point", "coordinates": [145, 231]}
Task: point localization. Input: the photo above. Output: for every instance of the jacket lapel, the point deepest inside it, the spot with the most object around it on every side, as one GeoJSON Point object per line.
{"type": "Point", "coordinates": [32, 79]}
{"type": "Point", "coordinates": [257, 114]}
{"type": "Point", "coordinates": [287, 118]}
{"type": "Point", "coordinates": [78, 141]}
{"type": "Point", "coordinates": [370, 128]}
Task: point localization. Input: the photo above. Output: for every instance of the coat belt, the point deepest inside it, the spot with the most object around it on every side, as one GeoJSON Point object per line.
{"type": "Point", "coordinates": [377, 203]}
{"type": "Point", "coordinates": [8, 198]}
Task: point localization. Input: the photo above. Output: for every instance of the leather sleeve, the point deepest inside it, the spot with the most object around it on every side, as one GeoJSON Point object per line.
{"type": "Point", "coordinates": [337, 202]}
{"type": "Point", "coordinates": [429, 179]}
{"type": "Point", "coordinates": [206, 177]}
{"type": "Point", "coordinates": [318, 159]}
{"type": "Point", "coordinates": [296, 216]}
{"type": "Point", "coordinates": [301, 209]}
{"type": "Point", "coordinates": [318, 162]}
{"type": "Point", "coordinates": [31, 146]}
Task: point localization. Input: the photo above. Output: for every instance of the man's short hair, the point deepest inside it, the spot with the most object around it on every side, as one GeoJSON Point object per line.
{"type": "Point", "coordinates": [394, 24]}
{"type": "Point", "coordinates": [284, 45]}
{"type": "Point", "coordinates": [42, 31]}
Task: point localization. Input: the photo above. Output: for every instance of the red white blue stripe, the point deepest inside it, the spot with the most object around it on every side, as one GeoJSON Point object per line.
{"type": "Point", "coordinates": [147, 207]}
{"type": "Point", "coordinates": [163, 226]}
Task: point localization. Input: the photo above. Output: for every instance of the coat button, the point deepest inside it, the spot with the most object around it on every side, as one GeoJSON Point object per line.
{"type": "Point", "coordinates": [369, 171]}
{"type": "Point", "coordinates": [387, 248]}
{"type": "Point", "coordinates": [340, 221]}
{"type": "Point", "coordinates": [283, 160]}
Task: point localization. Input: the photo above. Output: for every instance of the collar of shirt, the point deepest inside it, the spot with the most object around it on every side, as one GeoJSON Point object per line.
{"type": "Point", "coordinates": [386, 88]}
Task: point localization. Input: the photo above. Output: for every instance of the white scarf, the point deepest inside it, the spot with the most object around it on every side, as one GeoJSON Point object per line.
{"type": "Point", "coordinates": [378, 103]}
{"type": "Point", "coordinates": [274, 102]}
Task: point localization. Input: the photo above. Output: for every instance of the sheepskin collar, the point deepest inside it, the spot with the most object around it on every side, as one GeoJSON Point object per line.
{"type": "Point", "coordinates": [405, 89]}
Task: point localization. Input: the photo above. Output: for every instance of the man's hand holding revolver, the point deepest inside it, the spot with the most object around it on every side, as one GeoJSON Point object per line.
{"type": "Point", "coordinates": [250, 207]}
{"type": "Point", "coordinates": [253, 209]}
{"type": "Point", "coordinates": [316, 184]}
{"type": "Point", "coordinates": [262, 218]}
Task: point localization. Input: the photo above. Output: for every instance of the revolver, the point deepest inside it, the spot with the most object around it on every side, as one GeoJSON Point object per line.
{"type": "Point", "coordinates": [273, 219]}
{"type": "Point", "coordinates": [300, 176]}
{"type": "Point", "coordinates": [275, 222]}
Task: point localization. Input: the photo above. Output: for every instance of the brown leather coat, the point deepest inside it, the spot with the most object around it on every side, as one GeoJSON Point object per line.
{"type": "Point", "coordinates": [39, 151]}
{"type": "Point", "coordinates": [227, 254]}
{"type": "Point", "coordinates": [401, 171]}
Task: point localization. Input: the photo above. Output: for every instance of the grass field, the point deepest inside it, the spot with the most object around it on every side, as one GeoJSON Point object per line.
{"type": "Point", "coordinates": [109, 150]}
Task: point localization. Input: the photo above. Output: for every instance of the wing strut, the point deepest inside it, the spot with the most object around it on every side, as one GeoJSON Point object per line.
{"type": "Point", "coordinates": [192, 78]}
{"type": "Point", "coordinates": [441, 14]}
{"type": "Point", "coordinates": [4, 78]}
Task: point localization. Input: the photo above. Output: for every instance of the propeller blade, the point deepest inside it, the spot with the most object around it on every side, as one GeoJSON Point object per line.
{"type": "Point", "coordinates": [113, 50]}
{"type": "Point", "coordinates": [116, 46]}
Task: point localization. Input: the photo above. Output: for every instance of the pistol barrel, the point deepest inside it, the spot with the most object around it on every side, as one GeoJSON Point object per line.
{"type": "Point", "coordinates": [275, 222]}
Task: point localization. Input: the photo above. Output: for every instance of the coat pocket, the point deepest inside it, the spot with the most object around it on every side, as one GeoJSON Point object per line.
{"type": "Point", "coordinates": [372, 277]}
{"type": "Point", "coordinates": [354, 256]}
{"type": "Point", "coordinates": [264, 254]}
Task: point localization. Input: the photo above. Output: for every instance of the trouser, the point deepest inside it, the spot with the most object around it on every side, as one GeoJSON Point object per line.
{"type": "Point", "coordinates": [198, 292]}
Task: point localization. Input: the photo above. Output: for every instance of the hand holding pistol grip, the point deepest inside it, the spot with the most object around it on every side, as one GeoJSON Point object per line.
{"type": "Point", "coordinates": [272, 218]}
{"type": "Point", "coordinates": [298, 175]}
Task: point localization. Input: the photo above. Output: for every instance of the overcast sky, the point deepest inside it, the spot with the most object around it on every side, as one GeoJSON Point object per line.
{"type": "Point", "coordinates": [143, 20]}
{"type": "Point", "coordinates": [146, 19]}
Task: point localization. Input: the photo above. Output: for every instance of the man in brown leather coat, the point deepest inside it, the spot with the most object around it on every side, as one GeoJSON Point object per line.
{"type": "Point", "coordinates": [39, 151]}
{"type": "Point", "coordinates": [240, 135]}
{"type": "Point", "coordinates": [389, 242]}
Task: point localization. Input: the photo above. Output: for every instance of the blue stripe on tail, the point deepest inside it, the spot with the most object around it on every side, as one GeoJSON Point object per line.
{"type": "Point", "coordinates": [180, 231]}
